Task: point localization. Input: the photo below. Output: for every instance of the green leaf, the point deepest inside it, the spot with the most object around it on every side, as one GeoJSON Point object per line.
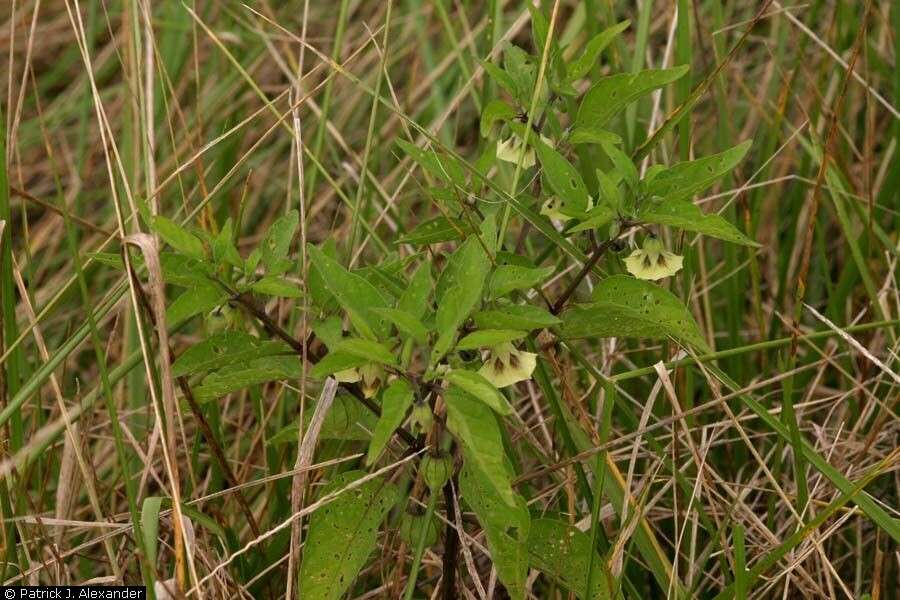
{"type": "Point", "coordinates": [184, 271]}
{"type": "Point", "coordinates": [597, 217]}
{"type": "Point", "coordinates": [500, 77]}
{"type": "Point", "coordinates": [179, 238]}
{"type": "Point", "coordinates": [627, 307]}
{"type": "Point", "coordinates": [273, 285]}
{"type": "Point", "coordinates": [563, 178]}
{"type": "Point", "coordinates": [150, 526]}
{"type": "Point", "coordinates": [223, 249]}
{"type": "Point", "coordinates": [611, 94]}
{"type": "Point", "coordinates": [473, 423]}
{"type": "Point", "coordinates": [395, 402]}
{"type": "Point", "coordinates": [342, 535]}
{"type": "Point", "coordinates": [195, 301]}
{"type": "Point", "coordinates": [367, 349]}
{"type": "Point", "coordinates": [414, 299]}
{"type": "Point", "coordinates": [587, 134]}
{"type": "Point", "coordinates": [405, 323]}
{"type": "Point", "coordinates": [459, 293]}
{"type": "Point", "coordinates": [336, 361]}
{"type": "Point", "coordinates": [355, 295]}
{"type": "Point", "coordinates": [495, 110]}
{"type": "Point", "coordinates": [486, 338]}
{"type": "Point", "coordinates": [479, 387]}
{"type": "Point", "coordinates": [435, 231]}
{"type": "Point", "coordinates": [563, 553]}
{"type": "Point", "coordinates": [515, 316]}
{"type": "Point", "coordinates": [580, 67]}
{"type": "Point", "coordinates": [506, 530]}
{"type": "Point", "coordinates": [277, 243]}
{"type": "Point", "coordinates": [242, 375]}
{"type": "Point", "coordinates": [507, 278]}
{"type": "Point", "coordinates": [623, 164]}
{"type": "Point", "coordinates": [223, 349]}
{"type": "Point", "coordinates": [686, 215]}
{"type": "Point", "coordinates": [683, 180]}
{"type": "Point", "coordinates": [347, 420]}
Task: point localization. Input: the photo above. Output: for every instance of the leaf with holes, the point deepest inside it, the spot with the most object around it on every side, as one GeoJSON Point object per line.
{"type": "Point", "coordinates": [563, 178]}
{"type": "Point", "coordinates": [683, 180]}
{"type": "Point", "coordinates": [611, 94]}
{"type": "Point", "coordinates": [506, 529]}
{"type": "Point", "coordinates": [687, 215]}
{"type": "Point", "coordinates": [223, 349]}
{"type": "Point", "coordinates": [342, 534]}
{"type": "Point", "coordinates": [627, 307]}
{"type": "Point", "coordinates": [563, 553]}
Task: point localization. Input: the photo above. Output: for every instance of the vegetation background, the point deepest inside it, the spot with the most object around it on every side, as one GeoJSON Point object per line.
{"type": "Point", "coordinates": [207, 110]}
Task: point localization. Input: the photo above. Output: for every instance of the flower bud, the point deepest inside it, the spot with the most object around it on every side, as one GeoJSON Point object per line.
{"type": "Point", "coordinates": [411, 527]}
{"type": "Point", "coordinates": [436, 470]}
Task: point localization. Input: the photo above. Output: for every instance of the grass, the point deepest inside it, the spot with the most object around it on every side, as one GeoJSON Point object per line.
{"type": "Point", "coordinates": [765, 467]}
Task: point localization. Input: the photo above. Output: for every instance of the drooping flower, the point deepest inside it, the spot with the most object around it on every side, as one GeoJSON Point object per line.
{"type": "Point", "coordinates": [552, 208]}
{"type": "Point", "coordinates": [512, 148]}
{"type": "Point", "coordinates": [653, 262]}
{"type": "Point", "coordinates": [505, 365]}
{"type": "Point", "coordinates": [371, 376]}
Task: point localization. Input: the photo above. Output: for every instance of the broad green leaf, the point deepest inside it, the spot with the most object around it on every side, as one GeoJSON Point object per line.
{"type": "Point", "coordinates": [329, 330]}
{"type": "Point", "coordinates": [242, 375]}
{"type": "Point", "coordinates": [414, 299]}
{"type": "Point", "coordinates": [597, 217]}
{"type": "Point", "coordinates": [581, 66]}
{"type": "Point", "coordinates": [336, 361]}
{"type": "Point", "coordinates": [500, 77]}
{"type": "Point", "coordinates": [367, 349]}
{"type": "Point", "coordinates": [355, 295]}
{"type": "Point", "coordinates": [495, 110]}
{"type": "Point", "coordinates": [223, 349]}
{"type": "Point", "coordinates": [507, 278]}
{"type": "Point", "coordinates": [485, 338]}
{"type": "Point", "coordinates": [586, 134]}
{"type": "Point", "coordinates": [683, 180]}
{"type": "Point", "coordinates": [563, 178]}
{"type": "Point", "coordinates": [563, 553]}
{"type": "Point", "coordinates": [347, 420]}
{"type": "Point", "coordinates": [405, 323]}
{"type": "Point", "coordinates": [506, 529]}
{"type": "Point", "coordinates": [195, 301]}
{"type": "Point", "coordinates": [622, 163]}
{"type": "Point", "coordinates": [435, 231]}
{"type": "Point", "coordinates": [686, 215]}
{"type": "Point", "coordinates": [522, 70]}
{"type": "Point", "coordinates": [475, 425]}
{"type": "Point", "coordinates": [395, 402]}
{"type": "Point", "coordinates": [277, 243]}
{"type": "Point", "coordinates": [273, 285]}
{"type": "Point", "coordinates": [150, 526]}
{"type": "Point", "coordinates": [459, 293]}
{"type": "Point", "coordinates": [179, 238]}
{"type": "Point", "coordinates": [184, 271]}
{"type": "Point", "coordinates": [627, 307]}
{"type": "Point", "coordinates": [611, 94]}
{"type": "Point", "coordinates": [480, 388]}
{"type": "Point", "coordinates": [515, 316]}
{"type": "Point", "coordinates": [342, 534]}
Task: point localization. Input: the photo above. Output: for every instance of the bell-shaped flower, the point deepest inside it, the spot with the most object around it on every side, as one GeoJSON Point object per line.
{"type": "Point", "coordinates": [505, 365]}
{"type": "Point", "coordinates": [513, 148]}
{"type": "Point", "coordinates": [347, 376]}
{"type": "Point", "coordinates": [372, 376]}
{"type": "Point", "coordinates": [653, 262]}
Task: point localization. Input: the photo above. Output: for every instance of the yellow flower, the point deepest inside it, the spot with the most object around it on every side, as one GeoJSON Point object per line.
{"type": "Point", "coordinates": [653, 262]}
{"type": "Point", "coordinates": [505, 365]}
{"type": "Point", "coordinates": [551, 208]}
{"type": "Point", "coordinates": [510, 150]}
{"type": "Point", "coordinates": [371, 375]}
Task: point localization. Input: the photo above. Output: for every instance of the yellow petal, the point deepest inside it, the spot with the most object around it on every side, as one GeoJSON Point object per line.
{"type": "Point", "coordinates": [512, 149]}
{"type": "Point", "coordinates": [508, 375]}
{"type": "Point", "coordinates": [550, 209]}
